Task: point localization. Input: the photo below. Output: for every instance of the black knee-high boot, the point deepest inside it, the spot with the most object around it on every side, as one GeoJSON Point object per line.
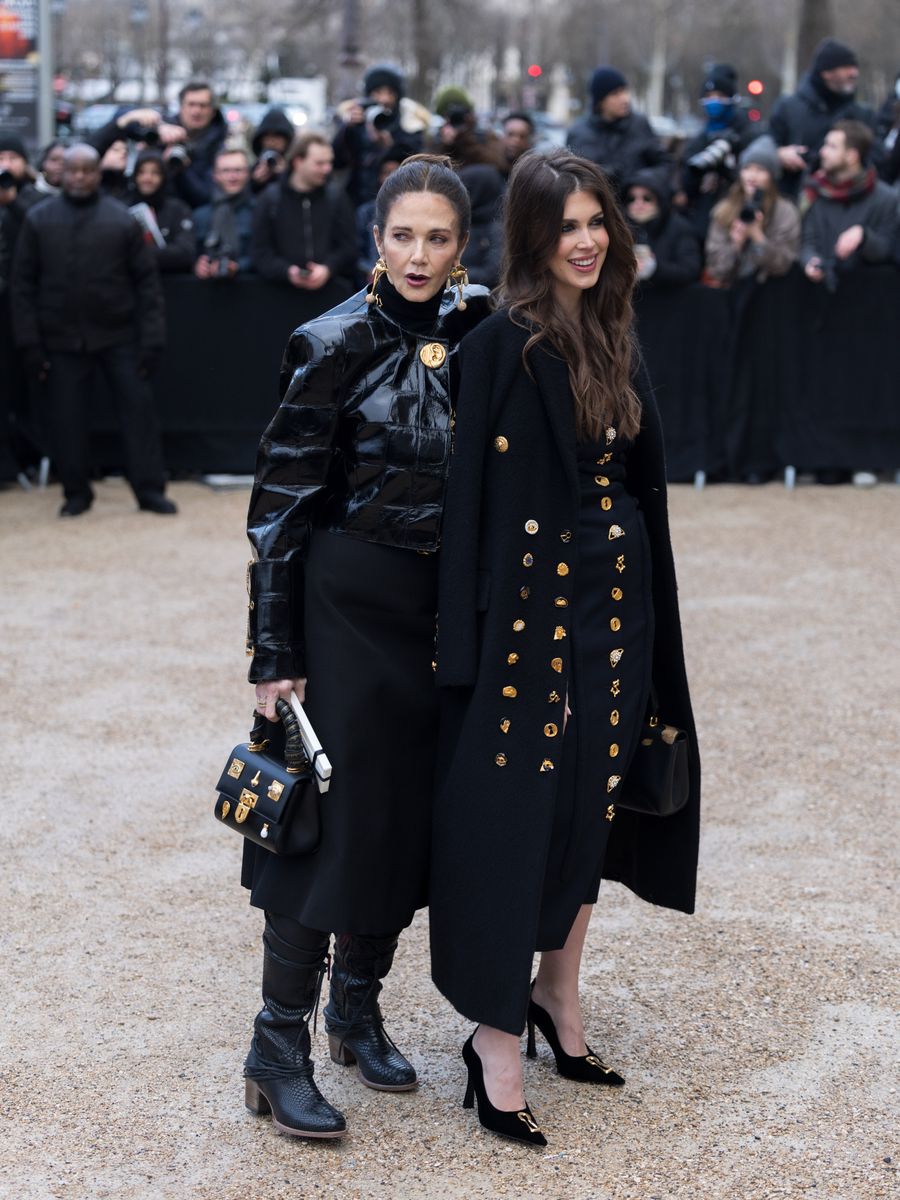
{"type": "Point", "coordinates": [353, 1018]}
{"type": "Point", "coordinates": [278, 1070]}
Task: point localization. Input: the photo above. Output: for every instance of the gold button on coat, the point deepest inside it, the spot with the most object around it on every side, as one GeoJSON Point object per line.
{"type": "Point", "coordinates": [556, 664]}
{"type": "Point", "coordinates": [561, 602]}
{"type": "Point", "coordinates": [614, 717]}
{"type": "Point", "coordinates": [505, 724]}
{"type": "Point", "coordinates": [512, 658]}
{"type": "Point", "coordinates": [606, 503]}
{"type": "Point", "coordinates": [566, 535]}
{"type": "Point", "coordinates": [559, 633]}
{"type": "Point", "coordinates": [531, 526]}
{"type": "Point", "coordinates": [616, 531]}
{"type": "Point", "coordinates": [519, 625]}
{"type": "Point", "coordinates": [550, 730]}
{"type": "Point", "coordinates": [501, 444]}
{"type": "Point", "coordinates": [525, 592]}
{"type": "Point", "coordinates": [615, 624]}
{"type": "Point", "coordinates": [528, 560]}
{"type": "Point", "coordinates": [554, 698]}
{"type": "Point", "coordinates": [601, 481]}
{"type": "Point", "coordinates": [613, 782]}
{"type": "Point", "coordinates": [500, 760]}
{"type": "Point", "coordinates": [547, 765]}
{"type": "Point", "coordinates": [615, 656]}
{"type": "Point", "coordinates": [614, 750]}
{"type": "Point", "coordinates": [616, 593]}
{"type": "Point", "coordinates": [510, 693]}
{"type": "Point", "coordinates": [562, 568]}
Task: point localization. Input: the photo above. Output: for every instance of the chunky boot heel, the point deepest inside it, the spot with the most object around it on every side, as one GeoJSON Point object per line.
{"type": "Point", "coordinates": [255, 1100]}
{"type": "Point", "coordinates": [340, 1052]}
{"type": "Point", "coordinates": [278, 1072]}
{"type": "Point", "coordinates": [355, 1026]}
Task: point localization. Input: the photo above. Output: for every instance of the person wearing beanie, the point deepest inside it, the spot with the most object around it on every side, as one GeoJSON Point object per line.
{"type": "Point", "coordinates": [754, 232]}
{"type": "Point", "coordinates": [825, 95]}
{"type": "Point", "coordinates": [709, 164]}
{"type": "Point", "coordinates": [169, 220]}
{"type": "Point", "coordinates": [383, 119]}
{"type": "Point", "coordinates": [612, 135]}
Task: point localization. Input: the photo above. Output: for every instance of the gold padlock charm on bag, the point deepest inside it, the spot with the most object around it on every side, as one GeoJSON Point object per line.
{"type": "Point", "coordinates": [246, 801]}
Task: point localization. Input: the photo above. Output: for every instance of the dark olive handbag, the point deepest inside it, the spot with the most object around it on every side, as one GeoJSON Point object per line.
{"type": "Point", "coordinates": [658, 782]}
{"type": "Point", "coordinates": [268, 791]}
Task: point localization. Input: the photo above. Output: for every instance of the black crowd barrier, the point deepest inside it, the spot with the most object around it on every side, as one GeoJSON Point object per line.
{"type": "Point", "coordinates": [748, 381]}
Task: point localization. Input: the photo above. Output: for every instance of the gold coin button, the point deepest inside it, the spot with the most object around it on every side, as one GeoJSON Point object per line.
{"type": "Point", "coordinates": [615, 624]}
{"type": "Point", "coordinates": [561, 602]}
{"type": "Point", "coordinates": [501, 445]}
{"type": "Point", "coordinates": [505, 724]}
{"type": "Point", "coordinates": [510, 693]}
{"type": "Point", "coordinates": [559, 633]}
{"type": "Point", "coordinates": [556, 664]}
{"type": "Point", "coordinates": [519, 625]}
{"type": "Point", "coordinates": [531, 527]}
{"type": "Point", "coordinates": [562, 568]}
{"type": "Point", "coordinates": [546, 765]}
{"type": "Point", "coordinates": [616, 593]}
{"type": "Point", "coordinates": [601, 481]}
{"type": "Point", "coordinates": [433, 354]}
{"type": "Point", "coordinates": [512, 658]}
{"type": "Point", "coordinates": [525, 592]}
{"type": "Point", "coordinates": [614, 751]}
{"type": "Point", "coordinates": [550, 730]}
{"type": "Point", "coordinates": [528, 560]}
{"type": "Point", "coordinates": [606, 503]}
{"type": "Point", "coordinates": [500, 760]}
{"type": "Point", "coordinates": [614, 717]}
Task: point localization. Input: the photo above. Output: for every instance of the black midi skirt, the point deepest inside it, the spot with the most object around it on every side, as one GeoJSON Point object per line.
{"type": "Point", "coordinates": [370, 626]}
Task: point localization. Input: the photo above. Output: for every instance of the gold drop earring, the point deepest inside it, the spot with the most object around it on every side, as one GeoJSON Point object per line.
{"type": "Point", "coordinates": [459, 278]}
{"type": "Point", "coordinates": [378, 270]}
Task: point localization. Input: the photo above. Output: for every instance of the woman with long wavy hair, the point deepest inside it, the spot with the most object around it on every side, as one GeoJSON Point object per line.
{"type": "Point", "coordinates": [558, 619]}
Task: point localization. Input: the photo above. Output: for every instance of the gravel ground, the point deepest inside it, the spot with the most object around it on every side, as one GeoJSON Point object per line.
{"type": "Point", "coordinates": [759, 1037]}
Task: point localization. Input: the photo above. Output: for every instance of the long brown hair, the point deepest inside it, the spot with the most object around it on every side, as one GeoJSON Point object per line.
{"type": "Point", "coordinates": [600, 349]}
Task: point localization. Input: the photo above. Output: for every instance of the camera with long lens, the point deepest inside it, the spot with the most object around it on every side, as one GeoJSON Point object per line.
{"type": "Point", "coordinates": [177, 158]}
{"type": "Point", "coordinates": [7, 181]}
{"type": "Point", "coordinates": [752, 207]}
{"type": "Point", "coordinates": [719, 153]}
{"type": "Point", "coordinates": [378, 116]}
{"type": "Point", "coordinates": [136, 132]}
{"type": "Point", "coordinates": [218, 254]}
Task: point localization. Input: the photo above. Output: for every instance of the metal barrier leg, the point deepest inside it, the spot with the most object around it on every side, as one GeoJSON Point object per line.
{"type": "Point", "coordinates": [790, 478]}
{"type": "Point", "coordinates": [699, 480]}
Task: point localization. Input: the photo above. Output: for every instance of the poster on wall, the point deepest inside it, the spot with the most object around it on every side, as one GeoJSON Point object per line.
{"type": "Point", "coordinates": [19, 69]}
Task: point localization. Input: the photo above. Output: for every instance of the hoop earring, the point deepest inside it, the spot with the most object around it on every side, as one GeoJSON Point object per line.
{"type": "Point", "coordinates": [378, 270]}
{"type": "Point", "coordinates": [459, 278]}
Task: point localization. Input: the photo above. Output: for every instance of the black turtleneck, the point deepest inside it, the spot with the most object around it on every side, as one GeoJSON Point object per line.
{"type": "Point", "coordinates": [417, 316]}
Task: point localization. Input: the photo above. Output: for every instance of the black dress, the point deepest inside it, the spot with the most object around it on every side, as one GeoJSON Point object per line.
{"type": "Point", "coordinates": [612, 644]}
{"type": "Point", "coordinates": [369, 621]}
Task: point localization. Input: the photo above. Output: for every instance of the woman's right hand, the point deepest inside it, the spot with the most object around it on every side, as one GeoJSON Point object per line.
{"type": "Point", "coordinates": [269, 691]}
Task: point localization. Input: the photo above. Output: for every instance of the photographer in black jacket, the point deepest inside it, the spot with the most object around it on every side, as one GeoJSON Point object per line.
{"type": "Point", "coordinates": [710, 161]}
{"type": "Point", "coordinates": [304, 228]}
{"type": "Point", "coordinates": [86, 295]}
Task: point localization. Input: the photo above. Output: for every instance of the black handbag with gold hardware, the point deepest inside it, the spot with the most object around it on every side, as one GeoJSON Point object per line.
{"type": "Point", "coordinates": [267, 791]}
{"type": "Point", "coordinates": [657, 783]}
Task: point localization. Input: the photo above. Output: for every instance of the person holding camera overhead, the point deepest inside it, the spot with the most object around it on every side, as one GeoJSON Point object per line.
{"type": "Point", "coordinates": [754, 232]}
{"type": "Point", "coordinates": [381, 120]}
{"type": "Point", "coordinates": [304, 228]}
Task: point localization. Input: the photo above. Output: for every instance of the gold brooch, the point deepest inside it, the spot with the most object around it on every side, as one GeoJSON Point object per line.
{"type": "Point", "coordinates": [433, 354]}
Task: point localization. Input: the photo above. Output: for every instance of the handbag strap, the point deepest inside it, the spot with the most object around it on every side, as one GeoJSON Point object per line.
{"type": "Point", "coordinates": [294, 755]}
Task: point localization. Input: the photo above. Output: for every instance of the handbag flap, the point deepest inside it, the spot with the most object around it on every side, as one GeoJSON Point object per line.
{"type": "Point", "coordinates": [253, 782]}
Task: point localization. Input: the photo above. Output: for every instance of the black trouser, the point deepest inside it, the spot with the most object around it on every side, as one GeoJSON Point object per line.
{"type": "Point", "coordinates": [70, 380]}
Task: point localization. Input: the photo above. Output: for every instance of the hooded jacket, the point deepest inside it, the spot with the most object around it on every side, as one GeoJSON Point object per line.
{"type": "Point", "coordinates": [274, 120]}
{"type": "Point", "coordinates": [669, 235]}
{"type": "Point", "coordinates": [619, 147]}
{"type": "Point", "coordinates": [173, 217]}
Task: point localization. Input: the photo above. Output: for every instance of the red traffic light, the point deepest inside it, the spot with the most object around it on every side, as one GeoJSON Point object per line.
{"type": "Point", "coordinates": [756, 87]}
{"type": "Point", "coordinates": [534, 71]}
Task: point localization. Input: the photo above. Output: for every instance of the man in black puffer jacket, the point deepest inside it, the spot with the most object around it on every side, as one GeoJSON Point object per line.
{"type": "Point", "coordinates": [86, 294]}
{"type": "Point", "coordinates": [613, 136]}
{"type": "Point", "coordinates": [826, 95]}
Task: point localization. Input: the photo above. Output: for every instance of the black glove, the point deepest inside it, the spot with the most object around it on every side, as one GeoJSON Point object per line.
{"type": "Point", "coordinates": [34, 359]}
{"type": "Point", "coordinates": [149, 358]}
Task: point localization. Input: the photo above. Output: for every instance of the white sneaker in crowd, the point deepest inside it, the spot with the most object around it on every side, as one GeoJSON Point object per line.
{"type": "Point", "coordinates": [864, 478]}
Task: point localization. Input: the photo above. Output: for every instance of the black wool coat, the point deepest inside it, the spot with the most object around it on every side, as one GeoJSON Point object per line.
{"type": "Point", "coordinates": [515, 467]}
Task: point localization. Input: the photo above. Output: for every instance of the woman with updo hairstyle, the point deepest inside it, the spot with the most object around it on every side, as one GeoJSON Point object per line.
{"type": "Point", "coordinates": [345, 523]}
{"type": "Point", "coordinates": [559, 640]}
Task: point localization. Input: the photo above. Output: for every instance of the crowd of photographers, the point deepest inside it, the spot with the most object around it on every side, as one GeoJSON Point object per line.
{"type": "Point", "coordinates": [736, 205]}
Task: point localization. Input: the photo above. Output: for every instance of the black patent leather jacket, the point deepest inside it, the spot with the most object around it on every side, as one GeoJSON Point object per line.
{"type": "Point", "coordinates": [360, 445]}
